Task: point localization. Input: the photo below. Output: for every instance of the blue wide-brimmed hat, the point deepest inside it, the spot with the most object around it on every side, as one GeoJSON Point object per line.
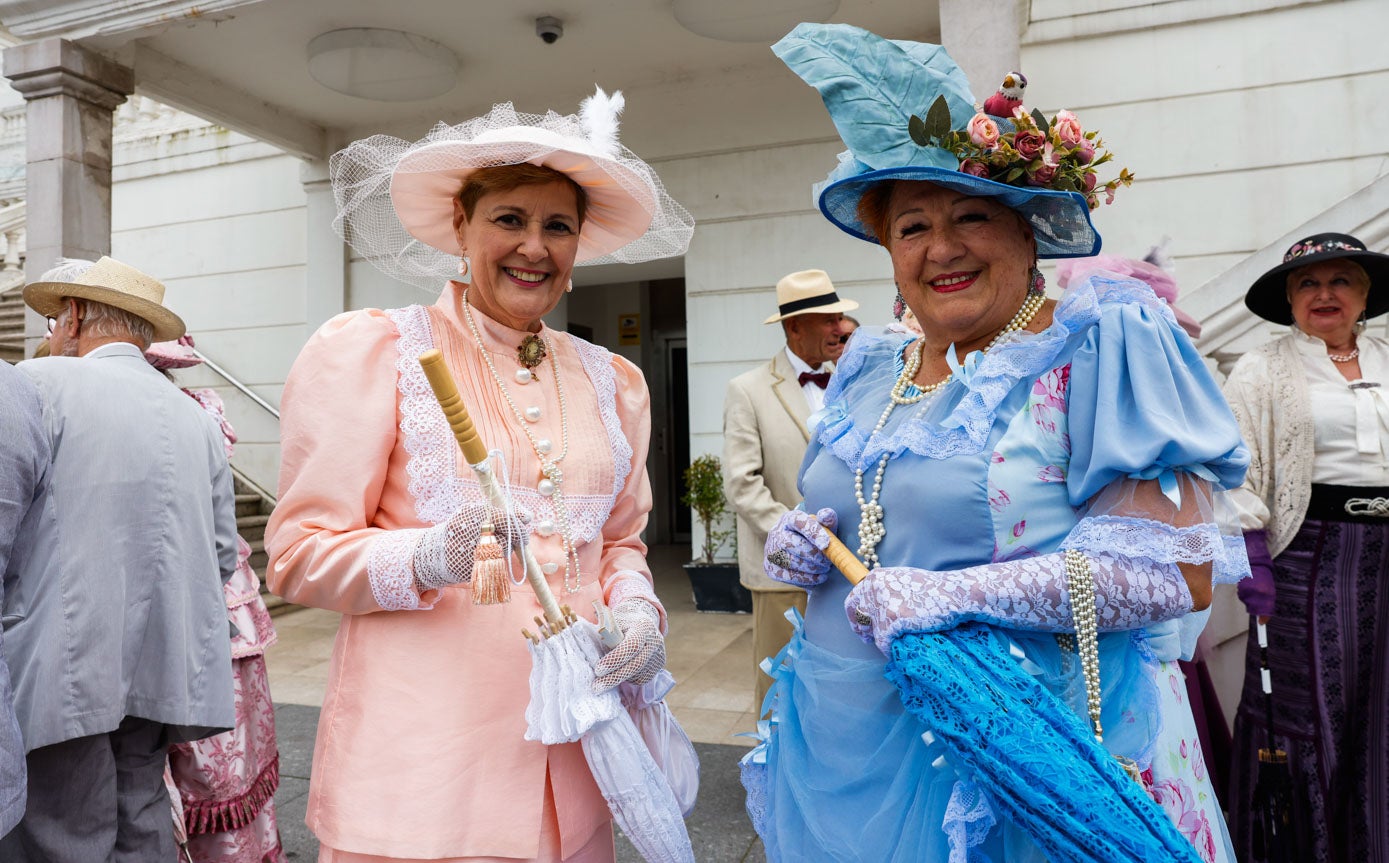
{"type": "Point", "coordinates": [872, 88]}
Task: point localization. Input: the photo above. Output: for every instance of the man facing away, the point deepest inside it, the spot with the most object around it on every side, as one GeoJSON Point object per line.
{"type": "Point", "coordinates": [765, 434]}
{"type": "Point", "coordinates": [115, 627]}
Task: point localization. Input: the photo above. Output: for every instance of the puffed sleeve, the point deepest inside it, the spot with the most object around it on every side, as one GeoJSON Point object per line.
{"type": "Point", "coordinates": [1154, 447]}
{"type": "Point", "coordinates": [337, 431]}
{"type": "Point", "coordinates": [624, 572]}
{"type": "Point", "coordinates": [1143, 404]}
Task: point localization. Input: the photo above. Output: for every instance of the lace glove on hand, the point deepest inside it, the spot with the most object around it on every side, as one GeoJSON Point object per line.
{"type": "Point", "coordinates": [1258, 591]}
{"type": "Point", "coordinates": [444, 553]}
{"type": "Point", "coordinates": [796, 547]}
{"type": "Point", "coordinates": [1029, 593]}
{"type": "Point", "coordinates": [642, 651]}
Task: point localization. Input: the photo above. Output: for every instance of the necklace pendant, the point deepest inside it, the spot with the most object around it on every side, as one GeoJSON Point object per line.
{"type": "Point", "coordinates": [531, 352]}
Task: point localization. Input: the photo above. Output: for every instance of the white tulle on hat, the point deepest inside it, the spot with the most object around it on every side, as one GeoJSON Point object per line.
{"type": "Point", "coordinates": [395, 198]}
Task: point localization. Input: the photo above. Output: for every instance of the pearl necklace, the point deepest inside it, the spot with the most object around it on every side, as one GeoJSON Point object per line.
{"type": "Point", "coordinates": [871, 529]}
{"type": "Point", "coordinates": [1343, 358]}
{"type": "Point", "coordinates": [551, 482]}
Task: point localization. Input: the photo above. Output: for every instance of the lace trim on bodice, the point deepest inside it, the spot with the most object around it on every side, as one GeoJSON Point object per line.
{"type": "Point", "coordinates": [435, 485]}
{"type": "Point", "coordinates": [598, 363]}
{"type": "Point", "coordinates": [987, 379]}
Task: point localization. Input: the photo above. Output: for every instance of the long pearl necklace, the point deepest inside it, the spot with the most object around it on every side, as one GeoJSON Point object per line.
{"type": "Point", "coordinates": [871, 528]}
{"type": "Point", "coordinates": [551, 482]}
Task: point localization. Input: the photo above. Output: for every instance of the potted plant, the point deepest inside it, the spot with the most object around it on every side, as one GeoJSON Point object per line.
{"type": "Point", "coordinates": [715, 583]}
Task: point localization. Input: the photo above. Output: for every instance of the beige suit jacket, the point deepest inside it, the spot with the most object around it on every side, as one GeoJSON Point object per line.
{"type": "Point", "coordinates": [764, 440]}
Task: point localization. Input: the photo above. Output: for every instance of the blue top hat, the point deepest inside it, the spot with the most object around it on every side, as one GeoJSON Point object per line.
{"type": "Point", "coordinates": [873, 87]}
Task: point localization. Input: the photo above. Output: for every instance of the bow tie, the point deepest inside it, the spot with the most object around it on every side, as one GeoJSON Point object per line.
{"type": "Point", "coordinates": [820, 379]}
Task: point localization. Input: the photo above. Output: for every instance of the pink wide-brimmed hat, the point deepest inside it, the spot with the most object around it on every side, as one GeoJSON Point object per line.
{"type": "Point", "coordinates": [396, 198]}
{"type": "Point", "coordinates": [1163, 283]}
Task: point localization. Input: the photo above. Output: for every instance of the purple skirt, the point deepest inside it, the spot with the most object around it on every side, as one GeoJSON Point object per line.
{"type": "Point", "coordinates": [1329, 658]}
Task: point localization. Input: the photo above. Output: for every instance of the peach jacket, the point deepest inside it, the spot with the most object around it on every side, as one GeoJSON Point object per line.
{"type": "Point", "coordinates": [420, 750]}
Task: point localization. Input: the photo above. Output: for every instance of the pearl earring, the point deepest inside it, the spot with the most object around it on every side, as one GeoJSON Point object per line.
{"type": "Point", "coordinates": [463, 267]}
{"type": "Point", "coordinates": [569, 289]}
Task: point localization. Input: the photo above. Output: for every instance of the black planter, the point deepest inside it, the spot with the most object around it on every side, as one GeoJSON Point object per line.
{"type": "Point", "coordinates": [716, 588]}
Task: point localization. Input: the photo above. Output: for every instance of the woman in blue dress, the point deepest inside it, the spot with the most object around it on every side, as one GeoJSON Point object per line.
{"type": "Point", "coordinates": [987, 471]}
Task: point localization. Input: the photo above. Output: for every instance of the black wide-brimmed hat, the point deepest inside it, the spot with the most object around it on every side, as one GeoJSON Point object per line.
{"type": "Point", "coordinates": [1268, 296]}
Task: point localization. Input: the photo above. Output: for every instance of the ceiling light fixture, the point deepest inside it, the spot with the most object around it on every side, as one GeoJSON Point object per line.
{"type": "Point", "coordinates": [740, 21]}
{"type": "Point", "coordinates": [384, 65]}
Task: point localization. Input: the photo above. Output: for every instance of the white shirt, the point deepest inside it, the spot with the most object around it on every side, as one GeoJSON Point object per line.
{"type": "Point", "coordinates": [1350, 418]}
{"type": "Point", "coordinates": [814, 396]}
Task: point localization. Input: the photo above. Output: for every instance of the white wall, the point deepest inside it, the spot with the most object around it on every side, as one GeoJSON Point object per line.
{"type": "Point", "coordinates": [219, 219]}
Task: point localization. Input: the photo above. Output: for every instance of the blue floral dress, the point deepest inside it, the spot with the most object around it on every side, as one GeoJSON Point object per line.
{"type": "Point", "coordinates": [998, 465]}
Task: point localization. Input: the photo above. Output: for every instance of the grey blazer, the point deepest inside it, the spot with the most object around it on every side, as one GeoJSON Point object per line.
{"type": "Point", "coordinates": [764, 440]}
{"type": "Point", "coordinates": [23, 471]}
{"type": "Point", "coordinates": [114, 606]}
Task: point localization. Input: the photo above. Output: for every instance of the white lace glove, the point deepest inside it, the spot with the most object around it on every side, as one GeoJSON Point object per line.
{"type": "Point", "coordinates": [444, 553]}
{"type": "Point", "coordinates": [1020, 594]}
{"type": "Point", "coordinates": [642, 651]}
{"type": "Point", "coordinates": [795, 548]}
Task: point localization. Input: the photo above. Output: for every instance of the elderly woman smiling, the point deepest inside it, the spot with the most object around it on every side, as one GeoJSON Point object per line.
{"type": "Point", "coordinates": [1315, 508]}
{"type": "Point", "coordinates": [1018, 456]}
{"type": "Point", "coordinates": [421, 751]}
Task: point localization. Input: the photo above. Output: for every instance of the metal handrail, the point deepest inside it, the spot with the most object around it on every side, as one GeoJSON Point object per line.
{"type": "Point", "coordinates": [208, 363]}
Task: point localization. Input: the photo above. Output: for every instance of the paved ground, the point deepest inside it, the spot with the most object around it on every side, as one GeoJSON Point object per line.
{"type": "Point", "coordinates": [709, 654]}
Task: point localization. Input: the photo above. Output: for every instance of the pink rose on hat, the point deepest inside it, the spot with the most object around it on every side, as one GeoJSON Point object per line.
{"type": "Point", "coordinates": [1068, 129]}
{"type": "Point", "coordinates": [974, 168]}
{"type": "Point", "coordinates": [1029, 144]}
{"type": "Point", "coordinates": [983, 132]}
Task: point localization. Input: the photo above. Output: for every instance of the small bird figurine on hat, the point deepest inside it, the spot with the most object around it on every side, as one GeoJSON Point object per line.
{"type": "Point", "coordinates": [1008, 97]}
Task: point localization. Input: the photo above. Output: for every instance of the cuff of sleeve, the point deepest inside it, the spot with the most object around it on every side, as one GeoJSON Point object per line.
{"type": "Point", "coordinates": [630, 584]}
{"type": "Point", "coordinates": [391, 571]}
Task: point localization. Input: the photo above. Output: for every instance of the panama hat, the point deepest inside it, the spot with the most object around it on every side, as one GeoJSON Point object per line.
{"type": "Point", "coordinates": [1268, 296]}
{"type": "Point", "coordinates": [873, 89]}
{"type": "Point", "coordinates": [396, 199]}
{"type": "Point", "coordinates": [808, 292]}
{"type": "Point", "coordinates": [115, 284]}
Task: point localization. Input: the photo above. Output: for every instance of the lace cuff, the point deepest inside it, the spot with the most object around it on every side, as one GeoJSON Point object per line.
{"type": "Point", "coordinates": [630, 584]}
{"type": "Point", "coordinates": [391, 571]}
{"type": "Point", "coordinates": [1132, 537]}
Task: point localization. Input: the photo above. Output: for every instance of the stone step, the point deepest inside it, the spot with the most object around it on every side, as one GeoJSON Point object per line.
{"type": "Point", "coordinates": [252, 529]}
{"type": "Point", "coordinates": [247, 504]}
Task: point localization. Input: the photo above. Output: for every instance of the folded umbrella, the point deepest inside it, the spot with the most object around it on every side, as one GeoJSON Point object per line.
{"type": "Point", "coordinates": [1273, 840]}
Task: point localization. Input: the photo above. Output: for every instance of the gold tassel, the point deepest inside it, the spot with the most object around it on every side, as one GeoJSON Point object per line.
{"type": "Point", "coordinates": [491, 581]}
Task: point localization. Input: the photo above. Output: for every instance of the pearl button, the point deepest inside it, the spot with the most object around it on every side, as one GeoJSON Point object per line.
{"type": "Point", "coordinates": [533, 414]}
{"type": "Point", "coordinates": [549, 568]}
{"type": "Point", "coordinates": [546, 487]}
{"type": "Point", "coordinates": [545, 527]}
{"type": "Point", "coordinates": [523, 376]}
{"type": "Point", "coordinates": [544, 445]}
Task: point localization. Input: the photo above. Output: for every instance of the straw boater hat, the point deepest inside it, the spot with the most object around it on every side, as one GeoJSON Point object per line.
{"type": "Point", "coordinates": [807, 292]}
{"type": "Point", "coordinates": [1268, 296]}
{"type": "Point", "coordinates": [874, 106]}
{"type": "Point", "coordinates": [115, 284]}
{"type": "Point", "coordinates": [396, 199]}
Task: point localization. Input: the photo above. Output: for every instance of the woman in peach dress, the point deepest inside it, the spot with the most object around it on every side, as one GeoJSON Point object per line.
{"type": "Point", "coordinates": [421, 751]}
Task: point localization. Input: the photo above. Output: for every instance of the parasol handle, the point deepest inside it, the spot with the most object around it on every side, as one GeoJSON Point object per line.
{"type": "Point", "coordinates": [475, 453]}
{"type": "Point", "coordinates": [844, 560]}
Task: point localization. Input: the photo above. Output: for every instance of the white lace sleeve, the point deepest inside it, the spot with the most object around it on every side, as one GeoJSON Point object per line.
{"type": "Point", "coordinates": [391, 572]}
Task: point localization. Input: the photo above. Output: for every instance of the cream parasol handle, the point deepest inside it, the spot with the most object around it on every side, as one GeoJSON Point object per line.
{"type": "Point", "coordinates": [475, 453]}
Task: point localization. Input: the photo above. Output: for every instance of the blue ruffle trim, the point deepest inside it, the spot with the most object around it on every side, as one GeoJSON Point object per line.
{"type": "Point", "coordinates": [987, 378]}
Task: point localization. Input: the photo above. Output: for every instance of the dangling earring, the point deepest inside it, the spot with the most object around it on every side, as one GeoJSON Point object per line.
{"type": "Point", "coordinates": [463, 267]}
{"type": "Point", "coordinates": [569, 289]}
{"type": "Point", "coordinates": [1361, 324]}
{"type": "Point", "coordinates": [899, 305]}
{"type": "Point", "coordinates": [1039, 282]}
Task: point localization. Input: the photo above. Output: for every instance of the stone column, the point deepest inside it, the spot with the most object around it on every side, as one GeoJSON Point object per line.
{"type": "Point", "coordinates": [71, 93]}
{"type": "Point", "coordinates": [325, 265]}
{"type": "Point", "coordinates": [984, 37]}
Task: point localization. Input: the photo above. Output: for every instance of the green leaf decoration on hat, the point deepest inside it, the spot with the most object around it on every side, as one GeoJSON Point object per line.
{"type": "Point", "coordinates": [873, 87]}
